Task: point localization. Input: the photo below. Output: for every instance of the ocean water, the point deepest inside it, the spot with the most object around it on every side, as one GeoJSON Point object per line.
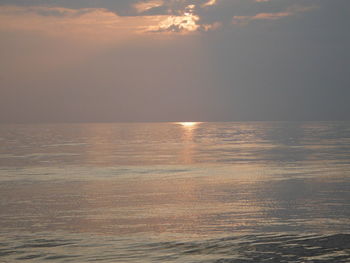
{"type": "Point", "coordinates": [175, 192]}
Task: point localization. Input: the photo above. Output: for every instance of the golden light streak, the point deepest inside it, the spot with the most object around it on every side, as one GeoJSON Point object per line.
{"type": "Point", "coordinates": [189, 124]}
{"type": "Point", "coordinates": [188, 133]}
{"type": "Point", "coordinates": [209, 3]}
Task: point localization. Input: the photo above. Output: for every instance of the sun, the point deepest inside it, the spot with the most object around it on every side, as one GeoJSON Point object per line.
{"type": "Point", "coordinates": [188, 124]}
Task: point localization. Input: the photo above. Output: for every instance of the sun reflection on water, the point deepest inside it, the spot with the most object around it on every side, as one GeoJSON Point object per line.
{"type": "Point", "coordinates": [189, 145]}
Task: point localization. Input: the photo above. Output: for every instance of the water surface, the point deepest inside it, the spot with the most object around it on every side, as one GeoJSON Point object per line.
{"type": "Point", "coordinates": [175, 192]}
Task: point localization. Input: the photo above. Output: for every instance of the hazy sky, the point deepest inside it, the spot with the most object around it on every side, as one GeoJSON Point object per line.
{"type": "Point", "coordinates": [174, 60]}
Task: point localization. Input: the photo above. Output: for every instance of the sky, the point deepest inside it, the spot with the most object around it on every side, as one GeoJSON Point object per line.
{"type": "Point", "coordinates": [174, 60]}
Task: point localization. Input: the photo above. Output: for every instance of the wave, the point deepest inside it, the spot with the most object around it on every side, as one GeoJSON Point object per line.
{"type": "Point", "coordinates": [236, 249]}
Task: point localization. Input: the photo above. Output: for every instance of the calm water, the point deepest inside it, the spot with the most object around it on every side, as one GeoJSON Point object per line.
{"type": "Point", "coordinates": [170, 192]}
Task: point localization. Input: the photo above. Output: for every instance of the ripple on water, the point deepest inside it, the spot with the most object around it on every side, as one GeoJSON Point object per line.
{"type": "Point", "coordinates": [249, 248]}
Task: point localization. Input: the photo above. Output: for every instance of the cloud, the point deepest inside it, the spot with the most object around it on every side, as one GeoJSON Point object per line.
{"type": "Point", "coordinates": [93, 24]}
{"type": "Point", "coordinates": [142, 7]}
{"type": "Point", "coordinates": [44, 11]}
{"type": "Point", "coordinates": [242, 20]}
{"type": "Point", "coordinates": [287, 64]}
{"type": "Point", "coordinates": [209, 3]}
{"type": "Point", "coordinates": [175, 16]}
{"type": "Point", "coordinates": [185, 22]}
{"type": "Point", "coordinates": [262, 16]}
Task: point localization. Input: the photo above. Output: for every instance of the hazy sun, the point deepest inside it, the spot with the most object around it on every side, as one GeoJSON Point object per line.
{"type": "Point", "coordinates": [188, 124]}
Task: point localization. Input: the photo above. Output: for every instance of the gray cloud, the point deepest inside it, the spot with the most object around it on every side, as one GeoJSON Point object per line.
{"type": "Point", "coordinates": [202, 15]}
{"type": "Point", "coordinates": [293, 68]}
{"type": "Point", "coordinates": [222, 11]}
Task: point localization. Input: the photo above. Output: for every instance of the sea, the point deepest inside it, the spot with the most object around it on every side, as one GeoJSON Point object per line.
{"type": "Point", "coordinates": [175, 192]}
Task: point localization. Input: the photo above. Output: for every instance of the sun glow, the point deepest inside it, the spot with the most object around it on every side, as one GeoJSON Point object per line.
{"type": "Point", "coordinates": [182, 23]}
{"type": "Point", "coordinates": [189, 124]}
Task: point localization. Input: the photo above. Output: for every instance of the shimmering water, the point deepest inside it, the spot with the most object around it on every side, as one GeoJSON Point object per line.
{"type": "Point", "coordinates": [172, 192]}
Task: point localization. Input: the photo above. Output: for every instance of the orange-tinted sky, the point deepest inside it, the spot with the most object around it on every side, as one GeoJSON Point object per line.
{"type": "Point", "coordinates": [174, 60]}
